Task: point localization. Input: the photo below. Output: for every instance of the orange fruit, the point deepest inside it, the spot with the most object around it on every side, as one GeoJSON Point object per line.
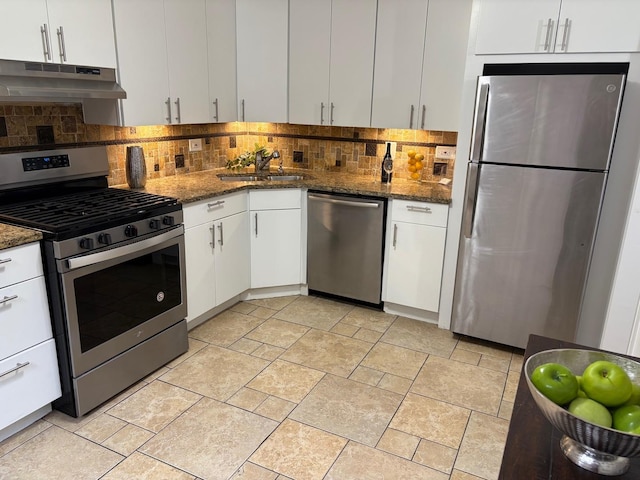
{"type": "Point", "coordinates": [419, 157]}
{"type": "Point", "coordinates": [411, 168]}
{"type": "Point", "coordinates": [412, 161]}
{"type": "Point", "coordinates": [411, 153]}
{"type": "Point", "coordinates": [418, 165]}
{"type": "Point", "coordinates": [415, 176]}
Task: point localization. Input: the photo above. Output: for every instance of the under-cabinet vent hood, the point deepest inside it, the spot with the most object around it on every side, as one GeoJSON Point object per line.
{"type": "Point", "coordinates": [29, 81]}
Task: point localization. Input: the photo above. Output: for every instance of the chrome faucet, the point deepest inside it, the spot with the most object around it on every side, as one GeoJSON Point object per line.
{"type": "Point", "coordinates": [262, 162]}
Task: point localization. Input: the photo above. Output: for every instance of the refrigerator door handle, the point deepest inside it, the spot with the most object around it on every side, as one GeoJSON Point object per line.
{"type": "Point", "coordinates": [479, 122]}
{"type": "Point", "coordinates": [470, 199]}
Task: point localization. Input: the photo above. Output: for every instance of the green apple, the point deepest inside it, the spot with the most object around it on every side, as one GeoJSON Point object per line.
{"type": "Point", "coordinates": [556, 382]}
{"type": "Point", "coordinates": [627, 419]}
{"type": "Point", "coordinates": [606, 383]}
{"type": "Point", "coordinates": [591, 411]}
{"type": "Point", "coordinates": [634, 399]}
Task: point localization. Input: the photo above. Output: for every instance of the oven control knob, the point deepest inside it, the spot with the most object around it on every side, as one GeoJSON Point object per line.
{"type": "Point", "coordinates": [168, 220]}
{"type": "Point", "coordinates": [104, 238]}
{"type": "Point", "coordinates": [154, 224]}
{"type": "Point", "coordinates": [130, 231]}
{"type": "Point", "coordinates": [86, 243]}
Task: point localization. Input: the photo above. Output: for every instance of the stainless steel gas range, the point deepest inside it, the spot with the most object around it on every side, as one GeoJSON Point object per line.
{"type": "Point", "coordinates": [114, 263]}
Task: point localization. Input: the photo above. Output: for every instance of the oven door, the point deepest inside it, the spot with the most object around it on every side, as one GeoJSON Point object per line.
{"type": "Point", "coordinates": [117, 298]}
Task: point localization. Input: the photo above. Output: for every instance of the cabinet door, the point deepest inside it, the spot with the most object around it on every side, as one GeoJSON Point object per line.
{"type": "Point", "coordinates": [142, 59]}
{"type": "Point", "coordinates": [309, 60]}
{"type": "Point", "coordinates": [517, 26]}
{"type": "Point", "coordinates": [262, 43]}
{"type": "Point", "coordinates": [398, 63]}
{"type": "Point", "coordinates": [200, 268]}
{"type": "Point", "coordinates": [82, 32]}
{"type": "Point", "coordinates": [221, 42]}
{"type": "Point", "coordinates": [445, 55]}
{"type": "Point", "coordinates": [275, 247]}
{"type": "Point", "coordinates": [232, 256]}
{"type": "Point", "coordinates": [414, 269]}
{"type": "Point", "coordinates": [597, 26]}
{"type": "Point", "coordinates": [353, 36]}
{"type": "Point", "coordinates": [186, 31]}
{"type": "Point", "coordinates": [21, 37]}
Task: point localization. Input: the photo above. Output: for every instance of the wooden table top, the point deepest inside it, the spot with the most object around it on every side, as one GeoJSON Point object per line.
{"type": "Point", "coordinates": [532, 450]}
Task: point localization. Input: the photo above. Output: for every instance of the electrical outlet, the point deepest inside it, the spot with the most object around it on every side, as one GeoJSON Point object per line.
{"type": "Point", "coordinates": [179, 161]}
{"type": "Point", "coordinates": [298, 157]}
{"type": "Point", "coordinates": [195, 145]}
{"type": "Point", "coordinates": [394, 146]}
{"type": "Point", "coordinates": [446, 153]}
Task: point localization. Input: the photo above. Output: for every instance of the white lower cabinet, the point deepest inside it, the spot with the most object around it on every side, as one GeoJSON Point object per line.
{"type": "Point", "coordinates": [414, 254]}
{"type": "Point", "coordinates": [276, 237]}
{"type": "Point", "coordinates": [217, 251]}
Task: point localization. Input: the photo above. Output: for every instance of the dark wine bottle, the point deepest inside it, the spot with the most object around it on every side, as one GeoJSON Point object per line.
{"type": "Point", "coordinates": [384, 176]}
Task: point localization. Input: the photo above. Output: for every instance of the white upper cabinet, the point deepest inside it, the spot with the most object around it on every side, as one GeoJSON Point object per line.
{"type": "Point", "coordinates": [400, 43]}
{"type": "Point", "coordinates": [58, 31]}
{"type": "Point", "coordinates": [162, 60]}
{"type": "Point", "coordinates": [262, 46]}
{"type": "Point", "coordinates": [221, 43]}
{"type": "Point", "coordinates": [558, 26]}
{"type": "Point", "coordinates": [331, 48]}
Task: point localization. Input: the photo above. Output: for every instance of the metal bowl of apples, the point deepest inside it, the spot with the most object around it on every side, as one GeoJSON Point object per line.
{"type": "Point", "coordinates": [591, 440]}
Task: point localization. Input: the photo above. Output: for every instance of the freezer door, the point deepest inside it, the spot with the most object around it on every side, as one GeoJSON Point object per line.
{"type": "Point", "coordinates": [523, 259]}
{"type": "Point", "coordinates": [549, 120]}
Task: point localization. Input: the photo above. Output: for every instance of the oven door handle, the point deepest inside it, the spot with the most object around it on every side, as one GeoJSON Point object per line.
{"type": "Point", "coordinates": [79, 262]}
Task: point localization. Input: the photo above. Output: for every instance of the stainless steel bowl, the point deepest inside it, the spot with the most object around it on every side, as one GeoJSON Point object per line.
{"type": "Point", "coordinates": [598, 449]}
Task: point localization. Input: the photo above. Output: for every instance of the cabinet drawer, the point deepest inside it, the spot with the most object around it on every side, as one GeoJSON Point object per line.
{"type": "Point", "coordinates": [20, 263]}
{"type": "Point", "coordinates": [24, 316]}
{"type": "Point", "coordinates": [30, 387]}
{"type": "Point", "coordinates": [422, 213]}
{"type": "Point", "coordinates": [214, 208]}
{"type": "Point", "coordinates": [275, 199]}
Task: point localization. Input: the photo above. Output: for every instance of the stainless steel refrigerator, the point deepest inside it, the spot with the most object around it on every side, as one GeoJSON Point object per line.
{"type": "Point", "coordinates": [540, 152]}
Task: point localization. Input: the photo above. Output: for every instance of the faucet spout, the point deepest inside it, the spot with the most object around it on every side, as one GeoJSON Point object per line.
{"type": "Point", "coordinates": [262, 161]}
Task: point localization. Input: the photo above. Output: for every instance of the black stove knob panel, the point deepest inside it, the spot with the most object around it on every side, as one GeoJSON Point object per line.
{"type": "Point", "coordinates": [154, 224]}
{"type": "Point", "coordinates": [130, 231]}
{"type": "Point", "coordinates": [86, 243]}
{"type": "Point", "coordinates": [104, 238]}
{"type": "Point", "coordinates": [168, 220]}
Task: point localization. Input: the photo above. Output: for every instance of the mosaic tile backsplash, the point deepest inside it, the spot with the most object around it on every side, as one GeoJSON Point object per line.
{"type": "Point", "coordinates": [352, 150]}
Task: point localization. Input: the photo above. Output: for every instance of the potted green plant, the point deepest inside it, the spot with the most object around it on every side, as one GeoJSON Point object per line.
{"type": "Point", "coordinates": [247, 158]}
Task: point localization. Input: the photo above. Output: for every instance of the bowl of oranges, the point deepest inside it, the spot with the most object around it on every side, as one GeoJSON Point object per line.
{"type": "Point", "coordinates": [415, 164]}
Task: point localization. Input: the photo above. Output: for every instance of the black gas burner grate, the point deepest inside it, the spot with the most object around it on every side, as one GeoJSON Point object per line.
{"type": "Point", "coordinates": [82, 209]}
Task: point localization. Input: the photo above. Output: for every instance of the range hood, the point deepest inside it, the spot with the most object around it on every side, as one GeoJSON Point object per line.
{"type": "Point", "coordinates": [51, 82]}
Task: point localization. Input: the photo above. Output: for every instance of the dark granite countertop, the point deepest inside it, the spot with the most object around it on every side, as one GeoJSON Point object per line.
{"type": "Point", "coordinates": [11, 236]}
{"type": "Point", "coordinates": [200, 185]}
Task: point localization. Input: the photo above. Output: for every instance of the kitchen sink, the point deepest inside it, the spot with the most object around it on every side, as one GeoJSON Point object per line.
{"type": "Point", "coordinates": [239, 178]}
{"type": "Point", "coordinates": [284, 178]}
{"type": "Point", "coordinates": [244, 177]}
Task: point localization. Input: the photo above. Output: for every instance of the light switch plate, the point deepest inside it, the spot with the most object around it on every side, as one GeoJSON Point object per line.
{"type": "Point", "coordinates": [446, 153]}
{"type": "Point", "coordinates": [195, 145]}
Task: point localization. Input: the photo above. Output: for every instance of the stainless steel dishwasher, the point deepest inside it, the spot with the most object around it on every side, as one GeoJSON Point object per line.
{"type": "Point", "coordinates": [345, 245]}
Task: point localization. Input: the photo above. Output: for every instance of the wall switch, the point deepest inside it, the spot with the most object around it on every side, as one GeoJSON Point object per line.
{"type": "Point", "coordinates": [195, 145]}
{"type": "Point", "coordinates": [446, 153]}
{"type": "Point", "coordinates": [394, 146]}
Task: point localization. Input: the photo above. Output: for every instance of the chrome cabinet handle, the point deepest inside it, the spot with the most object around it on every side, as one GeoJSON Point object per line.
{"type": "Point", "coordinates": [14, 369]}
{"type": "Point", "coordinates": [414, 208]}
{"type": "Point", "coordinates": [63, 48]}
{"type": "Point", "coordinates": [479, 121]}
{"type": "Point", "coordinates": [411, 117]}
{"type": "Point", "coordinates": [256, 217]}
{"type": "Point", "coordinates": [8, 299]}
{"type": "Point", "coordinates": [321, 113]}
{"type": "Point", "coordinates": [242, 103]}
{"type": "Point", "coordinates": [221, 241]}
{"type": "Point", "coordinates": [331, 114]}
{"type": "Point", "coordinates": [424, 115]}
{"type": "Point", "coordinates": [213, 237]}
{"type": "Point", "coordinates": [395, 234]}
{"type": "Point", "coordinates": [565, 33]}
{"type": "Point", "coordinates": [219, 203]}
{"type": "Point", "coordinates": [44, 32]}
{"type": "Point", "coordinates": [177, 102]}
{"type": "Point", "coordinates": [168, 104]}
{"type": "Point", "coordinates": [4, 260]}
{"type": "Point", "coordinates": [547, 37]}
{"type": "Point", "coordinates": [470, 199]}
{"type": "Point", "coordinates": [215, 117]}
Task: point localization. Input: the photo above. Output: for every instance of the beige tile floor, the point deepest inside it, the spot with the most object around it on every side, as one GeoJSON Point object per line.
{"type": "Point", "coordinates": [297, 388]}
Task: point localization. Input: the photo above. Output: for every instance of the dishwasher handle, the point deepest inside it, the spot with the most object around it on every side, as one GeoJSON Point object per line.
{"type": "Point", "coordinates": [335, 201]}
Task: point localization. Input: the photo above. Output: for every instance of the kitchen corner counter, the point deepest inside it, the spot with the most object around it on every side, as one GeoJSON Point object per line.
{"type": "Point", "coordinates": [11, 236]}
{"type": "Point", "coordinates": [196, 186]}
